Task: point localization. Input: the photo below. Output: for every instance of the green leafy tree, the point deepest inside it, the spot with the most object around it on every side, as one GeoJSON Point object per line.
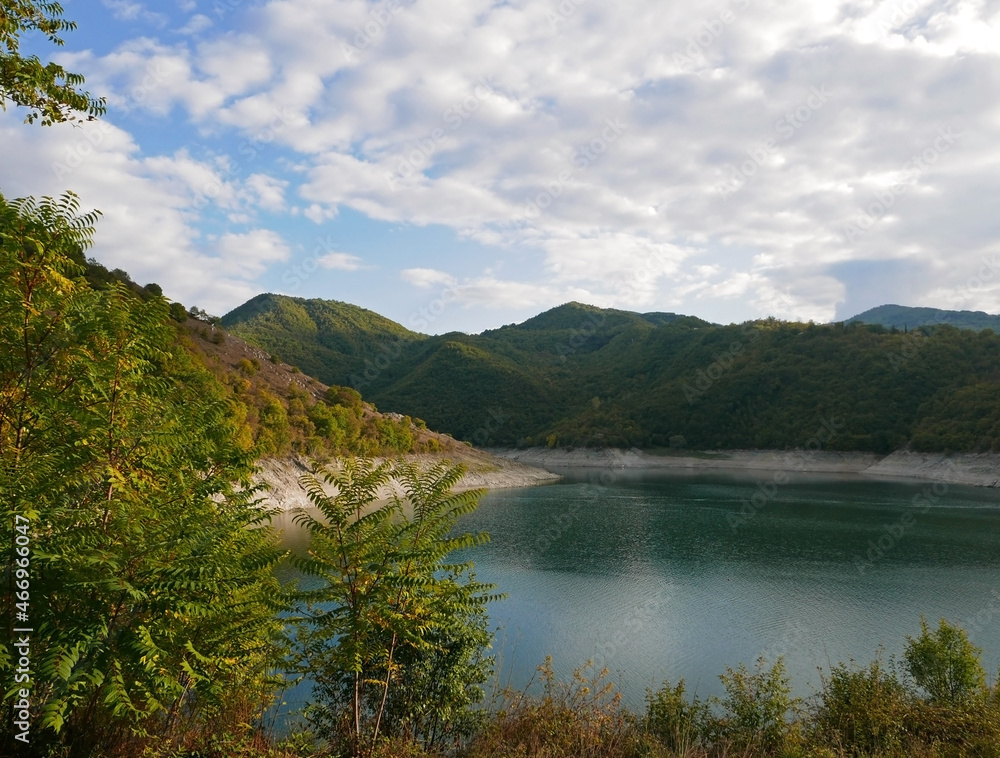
{"type": "Point", "coordinates": [757, 704]}
{"type": "Point", "coordinates": [945, 664]}
{"type": "Point", "coordinates": [863, 710]}
{"type": "Point", "coordinates": [151, 594]}
{"type": "Point", "coordinates": [389, 620]}
{"type": "Point", "coordinates": [680, 723]}
{"type": "Point", "coordinates": [50, 93]}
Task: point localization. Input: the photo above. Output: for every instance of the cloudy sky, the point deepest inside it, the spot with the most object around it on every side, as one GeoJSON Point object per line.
{"type": "Point", "coordinates": [462, 164]}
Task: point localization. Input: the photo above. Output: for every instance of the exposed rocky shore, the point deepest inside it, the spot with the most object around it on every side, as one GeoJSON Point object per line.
{"type": "Point", "coordinates": [284, 491]}
{"type": "Point", "coordinates": [976, 469]}
{"type": "Point", "coordinates": [501, 468]}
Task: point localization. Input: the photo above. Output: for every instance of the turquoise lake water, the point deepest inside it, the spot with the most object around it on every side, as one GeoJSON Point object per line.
{"type": "Point", "coordinates": [678, 576]}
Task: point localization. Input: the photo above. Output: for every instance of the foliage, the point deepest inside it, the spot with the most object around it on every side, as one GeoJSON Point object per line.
{"type": "Point", "coordinates": [282, 420]}
{"type": "Point", "coordinates": [757, 704]}
{"type": "Point", "coordinates": [583, 376]}
{"type": "Point", "coordinates": [48, 91]}
{"type": "Point", "coordinates": [860, 713]}
{"type": "Point", "coordinates": [151, 593]}
{"type": "Point", "coordinates": [579, 719]}
{"type": "Point", "coordinates": [388, 621]}
{"type": "Point", "coordinates": [903, 317]}
{"type": "Point", "coordinates": [335, 342]}
{"type": "Point", "coordinates": [178, 313]}
{"type": "Point", "coordinates": [864, 711]}
{"type": "Point", "coordinates": [945, 664]}
{"type": "Point", "coordinates": [677, 722]}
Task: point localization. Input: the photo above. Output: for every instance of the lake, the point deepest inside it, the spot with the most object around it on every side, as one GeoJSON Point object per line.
{"type": "Point", "coordinates": [667, 576]}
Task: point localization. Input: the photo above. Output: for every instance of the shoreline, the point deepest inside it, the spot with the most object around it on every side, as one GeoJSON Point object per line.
{"type": "Point", "coordinates": [510, 468]}
{"type": "Point", "coordinates": [284, 491]}
{"type": "Point", "coordinates": [972, 469]}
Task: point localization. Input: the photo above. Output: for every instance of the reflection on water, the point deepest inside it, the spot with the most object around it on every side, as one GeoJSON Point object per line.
{"type": "Point", "coordinates": [653, 576]}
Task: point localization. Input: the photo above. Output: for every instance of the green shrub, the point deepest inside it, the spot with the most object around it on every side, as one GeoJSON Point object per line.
{"type": "Point", "coordinates": [945, 664]}
{"type": "Point", "coordinates": [178, 313]}
{"type": "Point", "coordinates": [967, 728]}
{"type": "Point", "coordinates": [676, 722]}
{"type": "Point", "coordinates": [347, 397]}
{"type": "Point", "coordinates": [579, 719]}
{"type": "Point", "coordinates": [756, 706]}
{"type": "Point", "coordinates": [862, 711]}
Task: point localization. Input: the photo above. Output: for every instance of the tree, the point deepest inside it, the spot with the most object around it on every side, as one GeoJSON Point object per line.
{"type": "Point", "coordinates": [178, 313]}
{"type": "Point", "coordinates": [945, 664]}
{"type": "Point", "coordinates": [757, 704]}
{"type": "Point", "coordinates": [391, 633]}
{"type": "Point", "coordinates": [50, 93]}
{"type": "Point", "coordinates": [151, 595]}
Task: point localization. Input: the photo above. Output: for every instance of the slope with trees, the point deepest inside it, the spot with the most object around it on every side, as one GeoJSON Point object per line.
{"type": "Point", "coordinates": [336, 342]}
{"type": "Point", "coordinates": [578, 375]}
{"type": "Point", "coordinates": [144, 616]}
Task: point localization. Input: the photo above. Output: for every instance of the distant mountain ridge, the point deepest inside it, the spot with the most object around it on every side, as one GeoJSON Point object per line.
{"type": "Point", "coordinates": [578, 375]}
{"type": "Point", "coordinates": [906, 317]}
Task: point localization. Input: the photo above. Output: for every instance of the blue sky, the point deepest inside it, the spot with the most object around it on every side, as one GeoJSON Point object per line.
{"type": "Point", "coordinates": [462, 165]}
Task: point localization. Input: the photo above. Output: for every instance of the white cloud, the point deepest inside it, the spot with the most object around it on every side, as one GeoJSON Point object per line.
{"type": "Point", "coordinates": [248, 254]}
{"type": "Point", "coordinates": [695, 142]}
{"type": "Point", "coordinates": [148, 205]}
{"type": "Point", "coordinates": [128, 10]}
{"type": "Point", "coordinates": [269, 191]}
{"type": "Point", "coordinates": [341, 262]}
{"type": "Point", "coordinates": [318, 214]}
{"type": "Point", "coordinates": [196, 24]}
{"type": "Point", "coordinates": [426, 277]}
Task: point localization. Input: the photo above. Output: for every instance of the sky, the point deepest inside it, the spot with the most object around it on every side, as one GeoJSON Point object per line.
{"type": "Point", "coordinates": [464, 165]}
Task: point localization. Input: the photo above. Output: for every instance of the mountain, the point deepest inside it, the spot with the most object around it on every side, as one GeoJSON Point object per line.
{"type": "Point", "coordinates": [905, 317]}
{"type": "Point", "coordinates": [335, 342]}
{"type": "Point", "coordinates": [578, 375]}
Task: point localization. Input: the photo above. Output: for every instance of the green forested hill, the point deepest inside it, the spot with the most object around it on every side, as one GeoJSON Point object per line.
{"type": "Point", "coordinates": [335, 342]}
{"type": "Point", "coordinates": [580, 375]}
{"type": "Point", "coordinates": [905, 317]}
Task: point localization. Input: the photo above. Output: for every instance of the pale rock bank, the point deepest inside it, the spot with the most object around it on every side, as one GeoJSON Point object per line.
{"type": "Point", "coordinates": [284, 490]}
{"type": "Point", "coordinates": [976, 469]}
{"type": "Point", "coordinates": [503, 468]}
